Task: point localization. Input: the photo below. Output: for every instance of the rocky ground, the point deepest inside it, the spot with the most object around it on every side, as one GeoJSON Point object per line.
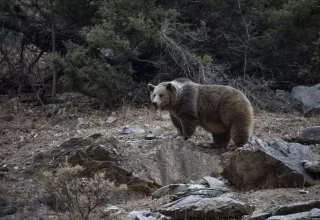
{"type": "Point", "coordinates": [26, 131]}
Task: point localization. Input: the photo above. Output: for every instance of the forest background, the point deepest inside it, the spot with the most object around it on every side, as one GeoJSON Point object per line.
{"type": "Point", "coordinates": [110, 49]}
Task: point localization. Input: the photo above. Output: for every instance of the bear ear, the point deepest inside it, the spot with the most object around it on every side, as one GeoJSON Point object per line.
{"type": "Point", "coordinates": [151, 87]}
{"type": "Point", "coordinates": [170, 87]}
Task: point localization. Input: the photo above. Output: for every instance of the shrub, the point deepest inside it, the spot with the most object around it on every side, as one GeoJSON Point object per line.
{"type": "Point", "coordinates": [79, 197]}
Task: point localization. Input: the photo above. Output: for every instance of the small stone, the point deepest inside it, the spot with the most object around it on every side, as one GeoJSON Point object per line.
{"type": "Point", "coordinates": [111, 210]}
{"type": "Point", "coordinates": [111, 119]}
{"type": "Point", "coordinates": [4, 169]}
{"type": "Point", "coordinates": [16, 168]}
{"type": "Point", "coordinates": [302, 191]}
{"type": "Point", "coordinates": [165, 117]}
{"type": "Point", "coordinates": [131, 129]}
{"type": "Point", "coordinates": [2, 174]}
{"type": "Point", "coordinates": [150, 136]}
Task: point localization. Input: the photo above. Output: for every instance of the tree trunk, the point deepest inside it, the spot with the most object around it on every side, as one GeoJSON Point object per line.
{"type": "Point", "coordinates": [54, 78]}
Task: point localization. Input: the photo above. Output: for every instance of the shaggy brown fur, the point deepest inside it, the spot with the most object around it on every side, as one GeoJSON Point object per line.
{"type": "Point", "coordinates": [223, 111]}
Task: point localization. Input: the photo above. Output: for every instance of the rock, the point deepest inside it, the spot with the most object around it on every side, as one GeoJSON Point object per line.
{"type": "Point", "coordinates": [111, 119]}
{"type": "Point", "coordinates": [170, 189]}
{"type": "Point", "coordinates": [207, 192]}
{"type": "Point", "coordinates": [132, 129]}
{"type": "Point", "coordinates": [82, 123]}
{"type": "Point", "coordinates": [145, 215]}
{"type": "Point", "coordinates": [298, 210]}
{"type": "Point", "coordinates": [170, 161]}
{"type": "Point", "coordinates": [303, 191]}
{"type": "Point", "coordinates": [311, 166]}
{"type": "Point", "coordinates": [312, 214]}
{"type": "Point", "coordinates": [112, 211]}
{"type": "Point", "coordinates": [258, 216]}
{"type": "Point", "coordinates": [165, 117]}
{"type": "Point", "coordinates": [310, 133]}
{"type": "Point", "coordinates": [200, 201]}
{"type": "Point", "coordinates": [197, 207]}
{"type": "Point", "coordinates": [60, 110]}
{"type": "Point", "coordinates": [144, 166]}
{"type": "Point", "coordinates": [306, 99]}
{"type": "Point", "coordinates": [183, 190]}
{"type": "Point", "coordinates": [150, 136]}
{"type": "Point", "coordinates": [214, 182]}
{"type": "Point", "coordinates": [270, 164]}
{"type": "Point", "coordinates": [296, 207]}
{"type": "Point", "coordinates": [6, 209]}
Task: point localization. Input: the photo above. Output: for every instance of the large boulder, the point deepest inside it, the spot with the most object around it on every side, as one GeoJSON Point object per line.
{"type": "Point", "coordinates": [209, 199]}
{"type": "Point", "coordinates": [197, 207]}
{"type": "Point", "coordinates": [144, 165]}
{"type": "Point", "coordinates": [270, 164]}
{"type": "Point", "coordinates": [306, 99]}
{"type": "Point", "coordinates": [310, 133]}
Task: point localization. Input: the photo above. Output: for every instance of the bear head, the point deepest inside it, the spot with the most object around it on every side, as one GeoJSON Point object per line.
{"type": "Point", "coordinates": [164, 95]}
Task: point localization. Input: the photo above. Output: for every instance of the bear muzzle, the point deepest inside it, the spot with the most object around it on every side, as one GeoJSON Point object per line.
{"type": "Point", "coordinates": [155, 104]}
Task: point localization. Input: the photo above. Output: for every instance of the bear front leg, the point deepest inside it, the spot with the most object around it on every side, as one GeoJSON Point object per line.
{"type": "Point", "coordinates": [177, 124]}
{"type": "Point", "coordinates": [221, 139]}
{"type": "Point", "coordinates": [188, 129]}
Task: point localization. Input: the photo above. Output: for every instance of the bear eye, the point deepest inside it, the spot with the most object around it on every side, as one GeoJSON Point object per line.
{"type": "Point", "coordinates": [161, 95]}
{"type": "Point", "coordinates": [154, 96]}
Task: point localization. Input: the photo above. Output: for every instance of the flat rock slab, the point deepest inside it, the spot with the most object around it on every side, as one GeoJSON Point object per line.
{"type": "Point", "coordinates": [313, 214]}
{"type": "Point", "coordinates": [197, 207]}
{"type": "Point", "coordinates": [296, 207]}
{"type": "Point", "coordinates": [292, 211]}
{"type": "Point", "coordinates": [270, 164]}
{"type": "Point", "coordinates": [306, 99]}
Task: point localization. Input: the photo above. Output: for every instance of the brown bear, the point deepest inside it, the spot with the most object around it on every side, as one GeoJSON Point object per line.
{"type": "Point", "coordinates": [223, 111]}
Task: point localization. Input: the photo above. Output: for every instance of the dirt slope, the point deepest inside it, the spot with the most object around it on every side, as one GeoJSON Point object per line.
{"type": "Point", "coordinates": [26, 131]}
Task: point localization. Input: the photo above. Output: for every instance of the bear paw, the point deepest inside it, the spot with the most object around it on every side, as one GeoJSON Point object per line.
{"type": "Point", "coordinates": [176, 136]}
{"type": "Point", "coordinates": [186, 137]}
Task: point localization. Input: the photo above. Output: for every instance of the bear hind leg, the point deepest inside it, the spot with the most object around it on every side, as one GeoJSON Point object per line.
{"type": "Point", "coordinates": [221, 140]}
